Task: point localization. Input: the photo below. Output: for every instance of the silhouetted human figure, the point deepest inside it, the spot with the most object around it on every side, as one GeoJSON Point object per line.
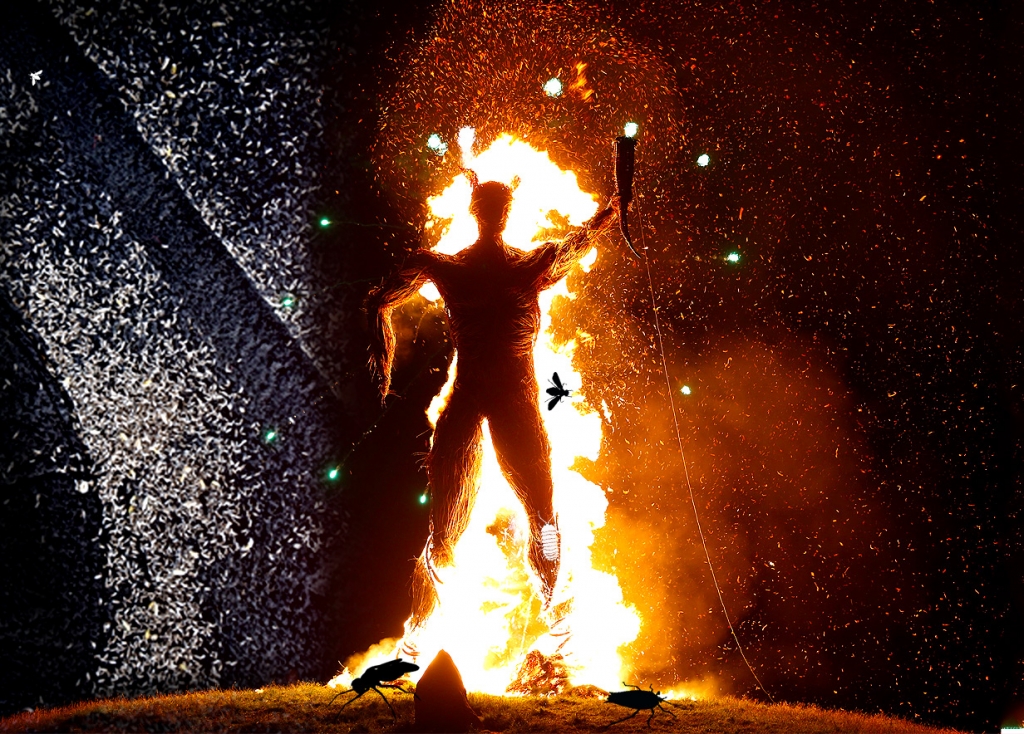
{"type": "Point", "coordinates": [490, 293]}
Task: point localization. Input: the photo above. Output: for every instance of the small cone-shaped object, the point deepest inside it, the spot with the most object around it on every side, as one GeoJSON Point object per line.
{"type": "Point", "coordinates": [441, 702]}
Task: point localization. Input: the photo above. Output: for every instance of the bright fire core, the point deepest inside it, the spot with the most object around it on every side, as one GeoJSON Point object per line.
{"type": "Point", "coordinates": [490, 614]}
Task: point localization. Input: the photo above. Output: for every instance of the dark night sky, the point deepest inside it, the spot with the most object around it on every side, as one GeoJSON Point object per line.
{"type": "Point", "coordinates": [854, 431]}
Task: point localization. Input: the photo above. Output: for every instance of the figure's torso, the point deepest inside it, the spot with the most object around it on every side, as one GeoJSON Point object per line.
{"type": "Point", "coordinates": [493, 313]}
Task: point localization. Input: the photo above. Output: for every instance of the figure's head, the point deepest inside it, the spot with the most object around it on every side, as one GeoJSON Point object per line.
{"type": "Point", "coordinates": [490, 205]}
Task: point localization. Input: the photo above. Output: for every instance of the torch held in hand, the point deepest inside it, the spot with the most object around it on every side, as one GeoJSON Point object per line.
{"type": "Point", "coordinates": [625, 162]}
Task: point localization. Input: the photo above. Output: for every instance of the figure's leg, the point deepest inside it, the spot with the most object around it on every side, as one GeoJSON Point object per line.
{"type": "Point", "coordinates": [452, 470]}
{"type": "Point", "coordinates": [524, 453]}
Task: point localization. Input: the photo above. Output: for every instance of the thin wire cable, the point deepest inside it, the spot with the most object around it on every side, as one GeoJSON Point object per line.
{"type": "Point", "coordinates": [682, 455]}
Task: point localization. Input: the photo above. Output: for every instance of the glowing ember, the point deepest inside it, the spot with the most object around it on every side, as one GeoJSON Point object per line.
{"type": "Point", "coordinates": [580, 85]}
{"type": "Point", "coordinates": [467, 136]}
{"type": "Point", "coordinates": [490, 616]}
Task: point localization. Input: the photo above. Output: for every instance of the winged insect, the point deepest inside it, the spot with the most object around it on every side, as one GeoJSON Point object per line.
{"type": "Point", "coordinates": [375, 678]}
{"type": "Point", "coordinates": [558, 391]}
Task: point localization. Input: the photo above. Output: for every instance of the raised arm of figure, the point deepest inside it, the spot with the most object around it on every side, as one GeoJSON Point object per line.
{"type": "Point", "coordinates": [381, 301]}
{"type": "Point", "coordinates": [557, 258]}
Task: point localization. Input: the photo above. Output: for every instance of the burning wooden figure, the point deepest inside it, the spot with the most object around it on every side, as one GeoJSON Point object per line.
{"type": "Point", "coordinates": [490, 293]}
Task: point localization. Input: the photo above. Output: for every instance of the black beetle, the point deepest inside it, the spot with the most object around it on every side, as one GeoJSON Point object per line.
{"type": "Point", "coordinates": [638, 699]}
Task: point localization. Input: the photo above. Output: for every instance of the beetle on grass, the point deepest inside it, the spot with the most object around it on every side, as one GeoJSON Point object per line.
{"type": "Point", "coordinates": [375, 676]}
{"type": "Point", "coordinates": [638, 699]}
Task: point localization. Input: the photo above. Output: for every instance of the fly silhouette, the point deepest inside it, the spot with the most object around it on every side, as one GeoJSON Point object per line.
{"type": "Point", "coordinates": [375, 676]}
{"type": "Point", "coordinates": [558, 391]}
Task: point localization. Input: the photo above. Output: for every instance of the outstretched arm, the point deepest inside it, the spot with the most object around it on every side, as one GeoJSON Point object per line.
{"type": "Point", "coordinates": [563, 255]}
{"type": "Point", "coordinates": [384, 299]}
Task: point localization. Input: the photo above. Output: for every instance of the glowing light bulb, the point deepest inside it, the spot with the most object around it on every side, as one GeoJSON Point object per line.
{"type": "Point", "coordinates": [703, 160]}
{"type": "Point", "coordinates": [324, 221]}
{"type": "Point", "coordinates": [631, 129]}
{"type": "Point", "coordinates": [553, 87]}
{"type": "Point", "coordinates": [435, 144]}
{"type": "Point", "coordinates": [549, 542]}
{"type": "Point", "coordinates": [733, 257]}
{"type": "Point", "coordinates": [686, 390]}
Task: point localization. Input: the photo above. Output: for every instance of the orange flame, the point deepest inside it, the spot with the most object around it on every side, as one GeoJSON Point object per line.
{"type": "Point", "coordinates": [490, 615]}
{"type": "Point", "coordinates": [580, 85]}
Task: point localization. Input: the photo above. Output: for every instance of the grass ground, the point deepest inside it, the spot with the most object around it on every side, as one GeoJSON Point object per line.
{"type": "Point", "coordinates": [304, 708]}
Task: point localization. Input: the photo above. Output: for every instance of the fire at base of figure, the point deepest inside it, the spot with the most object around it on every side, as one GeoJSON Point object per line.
{"type": "Point", "coordinates": [638, 699]}
{"type": "Point", "coordinates": [541, 675]}
{"type": "Point", "coordinates": [375, 676]}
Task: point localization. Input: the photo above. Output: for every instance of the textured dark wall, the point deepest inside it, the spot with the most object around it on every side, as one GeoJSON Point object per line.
{"type": "Point", "coordinates": [154, 212]}
{"type": "Point", "coordinates": [52, 600]}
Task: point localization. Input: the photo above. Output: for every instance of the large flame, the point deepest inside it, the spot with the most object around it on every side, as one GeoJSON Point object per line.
{"type": "Point", "coordinates": [490, 616]}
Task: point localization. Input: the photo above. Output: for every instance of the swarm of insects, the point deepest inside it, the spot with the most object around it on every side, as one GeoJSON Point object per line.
{"type": "Point", "coordinates": [557, 392]}
{"type": "Point", "coordinates": [375, 676]}
{"type": "Point", "coordinates": [638, 699]}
